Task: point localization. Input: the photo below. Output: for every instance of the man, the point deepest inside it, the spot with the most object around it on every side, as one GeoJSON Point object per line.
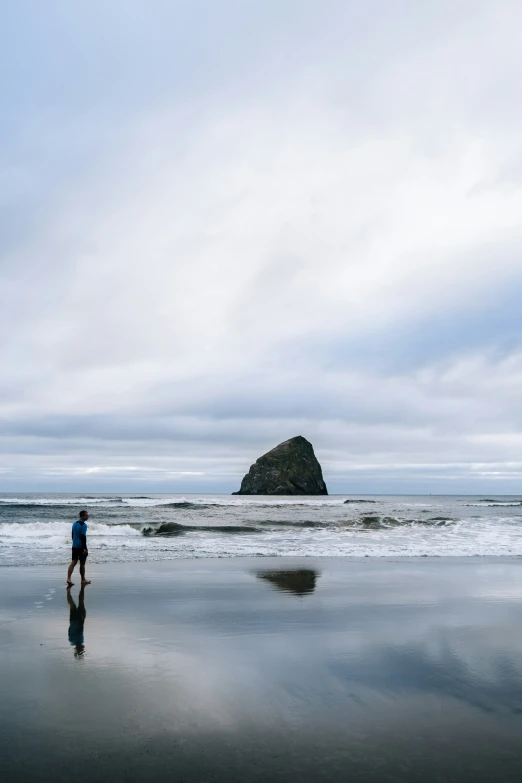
{"type": "Point", "coordinates": [79, 548]}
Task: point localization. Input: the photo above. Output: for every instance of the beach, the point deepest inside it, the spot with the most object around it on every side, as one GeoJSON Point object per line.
{"type": "Point", "coordinates": [253, 669]}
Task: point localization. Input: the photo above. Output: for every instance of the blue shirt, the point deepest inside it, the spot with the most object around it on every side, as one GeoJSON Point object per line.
{"type": "Point", "coordinates": [78, 529]}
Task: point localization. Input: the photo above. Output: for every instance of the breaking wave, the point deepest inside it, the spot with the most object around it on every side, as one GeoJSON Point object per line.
{"type": "Point", "coordinates": [68, 502]}
{"type": "Point", "coordinates": [375, 522]}
{"type": "Point", "coordinates": [36, 530]}
{"type": "Point", "coordinates": [174, 528]}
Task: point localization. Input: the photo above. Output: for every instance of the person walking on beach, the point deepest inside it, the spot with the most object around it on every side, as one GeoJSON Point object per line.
{"type": "Point", "coordinates": [79, 548]}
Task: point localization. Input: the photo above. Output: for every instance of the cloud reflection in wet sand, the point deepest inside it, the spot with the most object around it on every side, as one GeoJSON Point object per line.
{"type": "Point", "coordinates": [198, 673]}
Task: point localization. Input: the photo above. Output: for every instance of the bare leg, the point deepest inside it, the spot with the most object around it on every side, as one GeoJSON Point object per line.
{"type": "Point", "coordinates": [82, 574]}
{"type": "Point", "coordinates": [69, 573]}
{"type": "Point", "coordinates": [70, 601]}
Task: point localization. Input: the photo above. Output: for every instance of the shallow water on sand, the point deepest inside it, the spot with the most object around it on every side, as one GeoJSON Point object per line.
{"type": "Point", "coordinates": [249, 670]}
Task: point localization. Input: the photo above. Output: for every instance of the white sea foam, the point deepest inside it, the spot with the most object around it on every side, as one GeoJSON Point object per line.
{"type": "Point", "coordinates": [46, 501]}
{"type": "Point", "coordinates": [231, 501]}
{"type": "Point", "coordinates": [497, 504]}
{"type": "Point", "coordinates": [37, 530]}
{"type": "Point", "coordinates": [123, 542]}
{"type": "Point", "coordinates": [144, 502]}
{"type": "Point", "coordinates": [152, 502]}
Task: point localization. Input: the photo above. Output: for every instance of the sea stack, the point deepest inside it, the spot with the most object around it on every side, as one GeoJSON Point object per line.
{"type": "Point", "coordinates": [289, 469]}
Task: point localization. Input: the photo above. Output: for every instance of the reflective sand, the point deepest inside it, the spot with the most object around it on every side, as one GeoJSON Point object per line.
{"type": "Point", "coordinates": [264, 669]}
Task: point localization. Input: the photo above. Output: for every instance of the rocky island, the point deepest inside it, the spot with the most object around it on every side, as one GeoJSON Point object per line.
{"type": "Point", "coordinates": [289, 469]}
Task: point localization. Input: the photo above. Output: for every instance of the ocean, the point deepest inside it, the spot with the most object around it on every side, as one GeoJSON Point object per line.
{"type": "Point", "coordinates": [35, 528]}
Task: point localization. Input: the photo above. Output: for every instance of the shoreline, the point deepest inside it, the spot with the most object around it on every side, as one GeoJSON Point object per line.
{"type": "Point", "coordinates": [280, 558]}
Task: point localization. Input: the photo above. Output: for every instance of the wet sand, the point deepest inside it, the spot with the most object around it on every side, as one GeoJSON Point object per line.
{"type": "Point", "coordinates": [264, 669]}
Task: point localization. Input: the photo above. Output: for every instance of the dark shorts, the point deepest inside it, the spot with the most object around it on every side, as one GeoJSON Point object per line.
{"type": "Point", "coordinates": [79, 554]}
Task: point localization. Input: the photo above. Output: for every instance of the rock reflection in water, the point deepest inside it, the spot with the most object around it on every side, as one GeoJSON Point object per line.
{"type": "Point", "coordinates": [299, 581]}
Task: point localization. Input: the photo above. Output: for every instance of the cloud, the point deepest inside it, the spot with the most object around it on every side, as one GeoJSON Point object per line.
{"type": "Point", "coordinates": [232, 228]}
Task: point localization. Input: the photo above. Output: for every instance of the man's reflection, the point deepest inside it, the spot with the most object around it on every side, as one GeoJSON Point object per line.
{"type": "Point", "coordinates": [298, 581]}
{"type": "Point", "coordinates": [77, 617]}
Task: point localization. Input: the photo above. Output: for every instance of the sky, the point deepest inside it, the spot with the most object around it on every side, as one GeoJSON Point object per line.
{"type": "Point", "coordinates": [224, 223]}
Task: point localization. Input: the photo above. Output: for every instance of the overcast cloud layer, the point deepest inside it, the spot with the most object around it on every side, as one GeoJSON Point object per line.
{"type": "Point", "coordinates": [224, 223]}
